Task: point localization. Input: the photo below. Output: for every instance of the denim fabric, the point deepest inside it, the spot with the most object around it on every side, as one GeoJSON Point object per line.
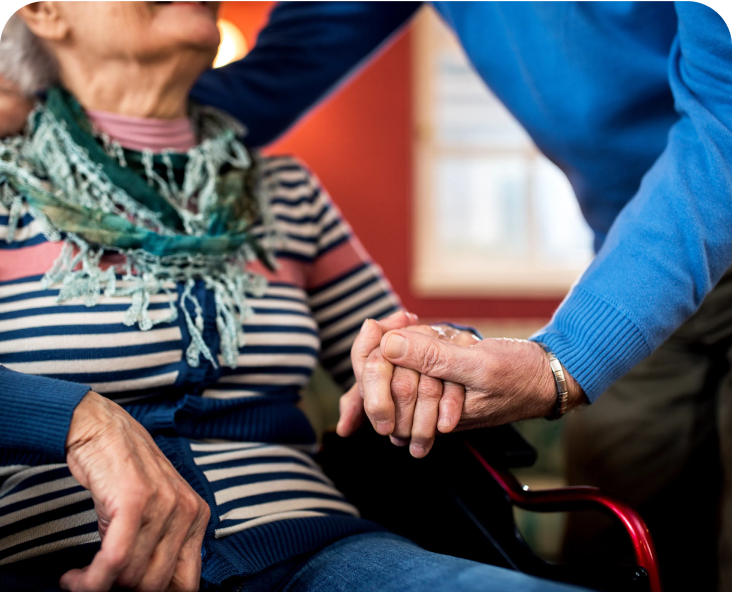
{"type": "Point", "coordinates": [373, 561]}
{"type": "Point", "coordinates": [385, 562]}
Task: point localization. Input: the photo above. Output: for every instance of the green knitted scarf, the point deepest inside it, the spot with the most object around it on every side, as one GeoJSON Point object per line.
{"type": "Point", "coordinates": [175, 217]}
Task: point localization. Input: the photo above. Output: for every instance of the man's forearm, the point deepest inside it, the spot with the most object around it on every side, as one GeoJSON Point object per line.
{"type": "Point", "coordinates": [671, 243]}
{"type": "Point", "coordinates": [305, 50]}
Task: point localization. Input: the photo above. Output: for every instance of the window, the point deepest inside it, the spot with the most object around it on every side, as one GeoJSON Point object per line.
{"type": "Point", "coordinates": [493, 215]}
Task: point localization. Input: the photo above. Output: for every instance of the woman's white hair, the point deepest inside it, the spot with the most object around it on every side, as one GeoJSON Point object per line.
{"type": "Point", "coordinates": [24, 59]}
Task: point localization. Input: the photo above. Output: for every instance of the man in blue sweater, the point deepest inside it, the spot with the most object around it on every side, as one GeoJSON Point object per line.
{"type": "Point", "coordinates": [633, 101]}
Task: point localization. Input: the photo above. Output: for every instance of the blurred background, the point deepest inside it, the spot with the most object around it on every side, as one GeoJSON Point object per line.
{"type": "Point", "coordinates": [414, 132]}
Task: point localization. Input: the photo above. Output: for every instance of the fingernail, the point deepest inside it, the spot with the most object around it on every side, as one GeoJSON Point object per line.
{"type": "Point", "coordinates": [417, 450]}
{"type": "Point", "coordinates": [383, 427]}
{"type": "Point", "coordinates": [366, 322]}
{"type": "Point", "coordinates": [444, 421]}
{"type": "Point", "coordinates": [396, 346]}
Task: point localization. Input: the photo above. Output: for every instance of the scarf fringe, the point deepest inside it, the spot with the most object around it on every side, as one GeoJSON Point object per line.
{"type": "Point", "coordinates": [77, 270]}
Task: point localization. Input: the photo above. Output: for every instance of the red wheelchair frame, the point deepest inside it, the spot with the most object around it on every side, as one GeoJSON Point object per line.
{"type": "Point", "coordinates": [567, 499]}
{"type": "Point", "coordinates": [459, 499]}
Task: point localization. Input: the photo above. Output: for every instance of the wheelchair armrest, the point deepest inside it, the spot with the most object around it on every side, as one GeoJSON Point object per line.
{"type": "Point", "coordinates": [578, 498]}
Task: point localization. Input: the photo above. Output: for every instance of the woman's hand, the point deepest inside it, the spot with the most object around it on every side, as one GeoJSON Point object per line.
{"type": "Point", "coordinates": [505, 380]}
{"type": "Point", "coordinates": [14, 109]}
{"type": "Point", "coordinates": [408, 406]}
{"type": "Point", "coordinates": [368, 340]}
{"type": "Point", "coordinates": [151, 521]}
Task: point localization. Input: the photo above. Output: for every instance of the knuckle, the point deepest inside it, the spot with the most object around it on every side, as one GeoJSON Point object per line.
{"type": "Point", "coordinates": [453, 393]}
{"type": "Point", "coordinates": [143, 491]}
{"type": "Point", "coordinates": [429, 388]}
{"type": "Point", "coordinates": [373, 377]}
{"type": "Point", "coordinates": [128, 580]}
{"type": "Point", "coordinates": [373, 408]}
{"type": "Point", "coordinates": [404, 386]}
{"type": "Point", "coordinates": [117, 560]}
{"type": "Point", "coordinates": [189, 505]}
{"type": "Point", "coordinates": [401, 317]}
{"type": "Point", "coordinates": [205, 513]}
{"type": "Point", "coordinates": [167, 498]}
{"type": "Point", "coordinates": [432, 356]}
{"type": "Point", "coordinates": [369, 374]}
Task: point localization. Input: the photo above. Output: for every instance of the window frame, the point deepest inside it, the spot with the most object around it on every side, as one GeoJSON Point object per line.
{"type": "Point", "coordinates": [435, 273]}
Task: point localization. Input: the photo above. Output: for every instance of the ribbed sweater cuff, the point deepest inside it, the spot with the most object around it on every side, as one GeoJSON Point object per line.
{"type": "Point", "coordinates": [594, 340]}
{"type": "Point", "coordinates": [36, 412]}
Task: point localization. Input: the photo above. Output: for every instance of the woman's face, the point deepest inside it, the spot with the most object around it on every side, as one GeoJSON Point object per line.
{"type": "Point", "coordinates": [141, 31]}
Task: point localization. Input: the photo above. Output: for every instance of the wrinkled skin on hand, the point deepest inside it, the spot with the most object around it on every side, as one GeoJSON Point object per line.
{"type": "Point", "coordinates": [505, 380]}
{"type": "Point", "coordinates": [14, 109]}
{"type": "Point", "coordinates": [416, 406]}
{"type": "Point", "coordinates": [416, 400]}
{"type": "Point", "coordinates": [151, 521]}
{"type": "Point", "coordinates": [413, 381]}
{"type": "Point", "coordinates": [368, 340]}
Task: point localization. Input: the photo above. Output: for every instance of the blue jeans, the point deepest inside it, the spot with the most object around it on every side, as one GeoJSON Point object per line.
{"type": "Point", "coordinates": [385, 562]}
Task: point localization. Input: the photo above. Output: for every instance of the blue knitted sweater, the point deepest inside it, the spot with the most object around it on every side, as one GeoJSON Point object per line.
{"type": "Point", "coordinates": [633, 101]}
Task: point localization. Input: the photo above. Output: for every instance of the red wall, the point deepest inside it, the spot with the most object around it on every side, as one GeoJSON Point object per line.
{"type": "Point", "coordinates": [359, 143]}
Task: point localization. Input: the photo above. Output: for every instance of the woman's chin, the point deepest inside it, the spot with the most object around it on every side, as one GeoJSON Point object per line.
{"type": "Point", "coordinates": [193, 21]}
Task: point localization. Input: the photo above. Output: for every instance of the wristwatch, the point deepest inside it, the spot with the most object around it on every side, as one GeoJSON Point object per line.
{"type": "Point", "coordinates": [560, 408]}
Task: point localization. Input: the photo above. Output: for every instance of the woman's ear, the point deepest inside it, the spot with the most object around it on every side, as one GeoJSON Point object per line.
{"type": "Point", "coordinates": [45, 20]}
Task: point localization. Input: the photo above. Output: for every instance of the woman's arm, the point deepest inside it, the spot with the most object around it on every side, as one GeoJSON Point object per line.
{"type": "Point", "coordinates": [345, 288]}
{"type": "Point", "coordinates": [138, 495]}
{"type": "Point", "coordinates": [302, 54]}
{"type": "Point", "coordinates": [36, 412]}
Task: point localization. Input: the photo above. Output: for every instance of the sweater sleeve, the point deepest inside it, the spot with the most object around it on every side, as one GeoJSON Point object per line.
{"type": "Point", "coordinates": [36, 412]}
{"type": "Point", "coordinates": [303, 52]}
{"type": "Point", "coordinates": [672, 242]}
{"type": "Point", "coordinates": [345, 287]}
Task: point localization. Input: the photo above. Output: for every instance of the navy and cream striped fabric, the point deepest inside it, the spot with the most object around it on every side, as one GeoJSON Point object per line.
{"type": "Point", "coordinates": [236, 434]}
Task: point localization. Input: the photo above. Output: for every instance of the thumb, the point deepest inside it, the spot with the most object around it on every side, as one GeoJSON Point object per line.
{"type": "Point", "coordinates": [70, 579]}
{"type": "Point", "coordinates": [430, 356]}
{"type": "Point", "coordinates": [351, 408]}
{"type": "Point", "coordinates": [371, 333]}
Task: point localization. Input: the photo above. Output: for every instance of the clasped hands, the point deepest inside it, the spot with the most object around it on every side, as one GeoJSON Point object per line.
{"type": "Point", "coordinates": [414, 381]}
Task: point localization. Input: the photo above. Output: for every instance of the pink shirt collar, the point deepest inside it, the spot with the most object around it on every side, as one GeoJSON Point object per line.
{"type": "Point", "coordinates": [140, 133]}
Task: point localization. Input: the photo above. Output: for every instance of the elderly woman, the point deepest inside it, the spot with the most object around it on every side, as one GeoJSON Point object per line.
{"type": "Point", "coordinates": [164, 295]}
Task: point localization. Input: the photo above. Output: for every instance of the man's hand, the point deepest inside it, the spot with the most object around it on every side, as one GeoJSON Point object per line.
{"type": "Point", "coordinates": [151, 521]}
{"type": "Point", "coordinates": [14, 109]}
{"type": "Point", "coordinates": [505, 379]}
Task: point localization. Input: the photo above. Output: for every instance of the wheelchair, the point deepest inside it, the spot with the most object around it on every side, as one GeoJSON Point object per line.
{"type": "Point", "coordinates": [459, 501]}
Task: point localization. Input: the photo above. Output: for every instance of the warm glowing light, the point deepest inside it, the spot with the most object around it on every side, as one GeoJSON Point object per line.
{"type": "Point", "coordinates": [233, 46]}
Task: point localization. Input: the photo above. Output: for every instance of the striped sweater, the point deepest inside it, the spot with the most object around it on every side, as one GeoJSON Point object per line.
{"type": "Point", "coordinates": [237, 435]}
